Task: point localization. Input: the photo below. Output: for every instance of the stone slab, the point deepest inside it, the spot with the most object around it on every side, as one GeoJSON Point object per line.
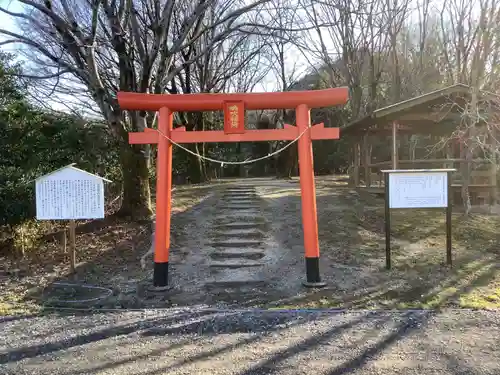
{"type": "Point", "coordinates": [235, 263]}
{"type": "Point", "coordinates": [237, 242]}
{"type": "Point", "coordinates": [237, 254]}
{"type": "Point", "coordinates": [240, 225]}
{"type": "Point", "coordinates": [240, 278]}
{"type": "Point", "coordinates": [246, 203]}
{"type": "Point", "coordinates": [240, 188]}
{"type": "Point", "coordinates": [241, 207]}
{"type": "Point", "coordinates": [241, 202]}
{"type": "Point", "coordinates": [245, 232]}
{"type": "Point", "coordinates": [238, 216]}
{"type": "Point", "coordinates": [238, 193]}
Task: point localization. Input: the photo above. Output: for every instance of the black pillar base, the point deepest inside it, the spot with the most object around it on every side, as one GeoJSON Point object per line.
{"type": "Point", "coordinates": [313, 279]}
{"type": "Point", "coordinates": [160, 276]}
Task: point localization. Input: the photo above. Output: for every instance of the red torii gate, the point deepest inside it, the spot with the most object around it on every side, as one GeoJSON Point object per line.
{"type": "Point", "coordinates": [234, 106]}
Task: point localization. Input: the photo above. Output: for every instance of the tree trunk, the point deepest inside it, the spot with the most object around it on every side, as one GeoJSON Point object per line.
{"type": "Point", "coordinates": [195, 166]}
{"type": "Point", "coordinates": [136, 189]}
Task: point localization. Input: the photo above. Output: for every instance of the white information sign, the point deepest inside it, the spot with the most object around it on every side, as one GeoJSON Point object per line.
{"type": "Point", "coordinates": [418, 189]}
{"type": "Point", "coordinates": [69, 194]}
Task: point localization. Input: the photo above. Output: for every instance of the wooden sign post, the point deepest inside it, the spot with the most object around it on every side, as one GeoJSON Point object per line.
{"type": "Point", "coordinates": [70, 194]}
{"type": "Point", "coordinates": [417, 188]}
{"type": "Point", "coordinates": [72, 245]}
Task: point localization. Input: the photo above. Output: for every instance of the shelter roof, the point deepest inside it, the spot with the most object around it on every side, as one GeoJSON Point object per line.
{"type": "Point", "coordinates": [419, 114]}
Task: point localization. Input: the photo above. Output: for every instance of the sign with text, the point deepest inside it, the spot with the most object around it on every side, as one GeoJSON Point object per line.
{"type": "Point", "coordinates": [234, 117]}
{"type": "Point", "coordinates": [69, 194]}
{"type": "Point", "coordinates": [418, 189]}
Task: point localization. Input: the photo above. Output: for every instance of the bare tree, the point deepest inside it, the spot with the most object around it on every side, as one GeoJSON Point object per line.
{"type": "Point", "coordinates": [469, 32]}
{"type": "Point", "coordinates": [354, 50]}
{"type": "Point", "coordinates": [234, 57]}
{"type": "Point", "coordinates": [94, 48]}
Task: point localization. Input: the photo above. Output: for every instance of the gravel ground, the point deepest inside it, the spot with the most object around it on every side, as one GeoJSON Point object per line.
{"type": "Point", "coordinates": [252, 342]}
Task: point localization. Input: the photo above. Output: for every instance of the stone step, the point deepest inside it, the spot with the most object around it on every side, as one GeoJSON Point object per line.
{"type": "Point", "coordinates": [241, 207]}
{"type": "Point", "coordinates": [241, 215]}
{"type": "Point", "coordinates": [237, 254]}
{"type": "Point", "coordinates": [235, 263]}
{"type": "Point", "coordinates": [236, 242]}
{"type": "Point", "coordinates": [240, 188]}
{"type": "Point", "coordinates": [240, 225]}
{"type": "Point", "coordinates": [241, 202]}
{"type": "Point", "coordinates": [239, 198]}
{"type": "Point", "coordinates": [238, 278]}
{"type": "Point", "coordinates": [240, 192]}
{"type": "Point", "coordinates": [245, 232]}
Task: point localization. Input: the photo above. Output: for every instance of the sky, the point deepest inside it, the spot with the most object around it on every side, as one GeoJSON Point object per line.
{"type": "Point", "coordinates": [6, 21]}
{"type": "Point", "coordinates": [268, 84]}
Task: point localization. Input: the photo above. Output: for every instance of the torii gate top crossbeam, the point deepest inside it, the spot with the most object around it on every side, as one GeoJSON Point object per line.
{"type": "Point", "coordinates": [214, 102]}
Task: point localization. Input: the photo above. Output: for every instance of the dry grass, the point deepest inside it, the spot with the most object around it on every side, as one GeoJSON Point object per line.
{"type": "Point", "coordinates": [111, 246]}
{"type": "Point", "coordinates": [351, 232]}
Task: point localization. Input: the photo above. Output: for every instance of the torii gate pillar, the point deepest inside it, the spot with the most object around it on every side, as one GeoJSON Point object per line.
{"type": "Point", "coordinates": [234, 106]}
{"type": "Point", "coordinates": [308, 194]}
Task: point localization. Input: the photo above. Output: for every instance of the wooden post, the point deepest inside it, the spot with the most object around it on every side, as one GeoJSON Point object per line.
{"type": "Point", "coordinates": [64, 241]}
{"type": "Point", "coordinates": [387, 223]}
{"type": "Point", "coordinates": [394, 157]}
{"type": "Point", "coordinates": [367, 159]}
{"type": "Point", "coordinates": [493, 171]}
{"type": "Point", "coordinates": [356, 163]}
{"type": "Point", "coordinates": [350, 163]}
{"type": "Point", "coordinates": [449, 259]}
{"type": "Point", "coordinates": [72, 245]}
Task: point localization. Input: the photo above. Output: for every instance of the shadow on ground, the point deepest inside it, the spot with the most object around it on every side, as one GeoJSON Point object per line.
{"type": "Point", "coordinates": [369, 342]}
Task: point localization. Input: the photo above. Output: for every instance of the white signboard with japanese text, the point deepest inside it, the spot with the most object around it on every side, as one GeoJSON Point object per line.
{"type": "Point", "coordinates": [418, 189]}
{"type": "Point", "coordinates": [69, 194]}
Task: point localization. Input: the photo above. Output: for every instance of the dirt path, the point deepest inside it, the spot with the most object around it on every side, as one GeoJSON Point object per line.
{"type": "Point", "coordinates": [231, 254]}
{"type": "Point", "coordinates": [198, 342]}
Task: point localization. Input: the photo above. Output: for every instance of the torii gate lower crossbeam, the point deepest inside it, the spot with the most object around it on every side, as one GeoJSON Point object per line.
{"type": "Point", "coordinates": [234, 106]}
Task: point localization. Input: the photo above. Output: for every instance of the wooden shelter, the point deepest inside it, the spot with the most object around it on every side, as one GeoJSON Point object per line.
{"type": "Point", "coordinates": [435, 116]}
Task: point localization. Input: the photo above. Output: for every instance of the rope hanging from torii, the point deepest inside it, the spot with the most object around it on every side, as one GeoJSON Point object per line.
{"type": "Point", "coordinates": [222, 162]}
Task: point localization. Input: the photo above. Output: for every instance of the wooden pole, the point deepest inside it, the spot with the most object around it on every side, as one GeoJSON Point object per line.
{"type": "Point", "coordinates": [394, 157]}
{"type": "Point", "coordinates": [64, 242]}
{"type": "Point", "coordinates": [72, 245]}
{"type": "Point", "coordinates": [357, 163]}
{"type": "Point", "coordinates": [387, 210]}
{"type": "Point", "coordinates": [449, 260]}
{"type": "Point", "coordinates": [367, 159]}
{"type": "Point", "coordinates": [493, 171]}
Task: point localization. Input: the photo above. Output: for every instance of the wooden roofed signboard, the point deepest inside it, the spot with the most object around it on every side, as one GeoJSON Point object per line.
{"type": "Point", "coordinates": [70, 193]}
